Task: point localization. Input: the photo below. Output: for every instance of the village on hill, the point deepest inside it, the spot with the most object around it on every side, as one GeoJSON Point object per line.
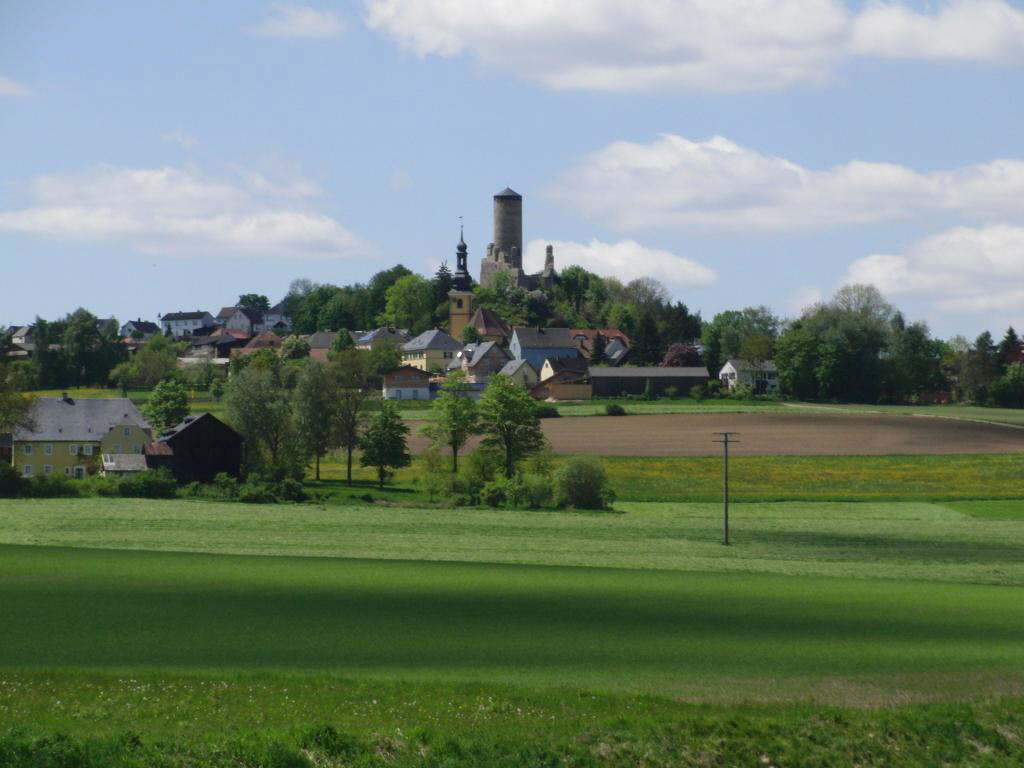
{"type": "Point", "coordinates": [558, 336]}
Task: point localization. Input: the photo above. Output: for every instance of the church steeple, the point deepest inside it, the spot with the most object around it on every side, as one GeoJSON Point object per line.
{"type": "Point", "coordinates": [461, 278]}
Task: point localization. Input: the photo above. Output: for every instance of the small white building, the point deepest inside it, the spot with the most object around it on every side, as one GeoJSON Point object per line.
{"type": "Point", "coordinates": [406, 383]}
{"type": "Point", "coordinates": [180, 324]}
{"type": "Point", "coordinates": [762, 378]}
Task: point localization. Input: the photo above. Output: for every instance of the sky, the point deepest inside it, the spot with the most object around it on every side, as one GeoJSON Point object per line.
{"type": "Point", "coordinates": [159, 157]}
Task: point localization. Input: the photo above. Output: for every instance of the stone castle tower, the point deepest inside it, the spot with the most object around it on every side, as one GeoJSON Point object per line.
{"type": "Point", "coordinates": [505, 254]}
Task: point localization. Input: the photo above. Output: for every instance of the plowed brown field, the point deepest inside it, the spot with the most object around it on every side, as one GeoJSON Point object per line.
{"type": "Point", "coordinates": [773, 434]}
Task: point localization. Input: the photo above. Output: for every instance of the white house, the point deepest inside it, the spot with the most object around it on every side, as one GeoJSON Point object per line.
{"type": "Point", "coordinates": [179, 324]}
{"type": "Point", "coordinates": [761, 377]}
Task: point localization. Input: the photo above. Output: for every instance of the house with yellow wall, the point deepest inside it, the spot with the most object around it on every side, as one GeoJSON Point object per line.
{"type": "Point", "coordinates": [70, 435]}
{"type": "Point", "coordinates": [430, 351]}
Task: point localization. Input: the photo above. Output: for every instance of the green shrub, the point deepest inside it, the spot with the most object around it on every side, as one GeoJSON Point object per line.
{"type": "Point", "coordinates": [698, 392]}
{"type": "Point", "coordinates": [288, 489]}
{"type": "Point", "coordinates": [255, 492]}
{"type": "Point", "coordinates": [581, 483]}
{"type": "Point", "coordinates": [226, 485]}
{"type": "Point", "coordinates": [100, 485]}
{"type": "Point", "coordinates": [614, 409]}
{"type": "Point", "coordinates": [495, 492]}
{"type": "Point", "coordinates": [151, 484]}
{"type": "Point", "coordinates": [11, 481]}
{"type": "Point", "coordinates": [50, 487]}
{"type": "Point", "coordinates": [475, 471]}
{"type": "Point", "coordinates": [741, 392]}
{"type": "Point", "coordinates": [671, 392]}
{"type": "Point", "coordinates": [531, 490]}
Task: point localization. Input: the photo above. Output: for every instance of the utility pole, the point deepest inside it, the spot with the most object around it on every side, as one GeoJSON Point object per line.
{"type": "Point", "coordinates": [726, 441]}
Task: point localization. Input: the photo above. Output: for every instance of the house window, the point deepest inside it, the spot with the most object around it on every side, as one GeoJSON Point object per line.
{"type": "Point", "coordinates": [116, 447]}
{"type": "Point", "coordinates": [398, 394]}
{"type": "Point", "coordinates": [27, 449]}
{"type": "Point", "coordinates": [87, 450]}
{"type": "Point", "coordinates": [67, 471]}
{"type": "Point", "coordinates": [27, 470]}
{"type": "Point", "coordinates": [48, 449]}
{"type": "Point", "coordinates": [136, 448]}
{"type": "Point", "coordinates": [415, 394]}
{"type": "Point", "coordinates": [73, 449]}
{"type": "Point", "coordinates": [47, 469]}
{"type": "Point", "coordinates": [127, 431]}
{"type": "Point", "coordinates": [79, 472]}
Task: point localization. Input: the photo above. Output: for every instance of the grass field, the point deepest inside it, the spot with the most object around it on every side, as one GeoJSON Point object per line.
{"type": "Point", "coordinates": [190, 633]}
{"type": "Point", "coordinates": [963, 542]}
{"type": "Point", "coordinates": [689, 634]}
{"type": "Point", "coordinates": [752, 478]}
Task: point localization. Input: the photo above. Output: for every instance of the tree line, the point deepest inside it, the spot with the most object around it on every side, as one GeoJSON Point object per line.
{"type": "Point", "coordinates": [855, 347]}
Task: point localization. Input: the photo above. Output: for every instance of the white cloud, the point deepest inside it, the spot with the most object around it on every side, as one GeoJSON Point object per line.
{"type": "Point", "coordinates": [964, 30]}
{"type": "Point", "coordinates": [184, 140]}
{"type": "Point", "coordinates": [702, 44]}
{"type": "Point", "coordinates": [673, 183]}
{"type": "Point", "coordinates": [10, 87]}
{"type": "Point", "coordinates": [626, 259]}
{"type": "Point", "coordinates": [183, 212]}
{"type": "Point", "coordinates": [294, 21]}
{"type": "Point", "coordinates": [964, 270]}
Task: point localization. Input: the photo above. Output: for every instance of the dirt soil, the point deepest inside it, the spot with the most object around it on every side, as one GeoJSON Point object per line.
{"type": "Point", "coordinates": [773, 434]}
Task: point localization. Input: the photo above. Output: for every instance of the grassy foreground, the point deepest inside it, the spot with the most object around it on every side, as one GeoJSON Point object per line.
{"type": "Point", "coordinates": [965, 542]}
{"type": "Point", "coordinates": [185, 721]}
{"type": "Point", "coordinates": [184, 633]}
{"type": "Point", "coordinates": [711, 636]}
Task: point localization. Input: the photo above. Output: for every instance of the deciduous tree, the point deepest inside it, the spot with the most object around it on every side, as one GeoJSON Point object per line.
{"type": "Point", "coordinates": [508, 421]}
{"type": "Point", "coordinates": [455, 416]}
{"type": "Point", "coordinates": [167, 405]}
{"type": "Point", "coordinates": [384, 443]}
{"type": "Point", "coordinates": [315, 409]}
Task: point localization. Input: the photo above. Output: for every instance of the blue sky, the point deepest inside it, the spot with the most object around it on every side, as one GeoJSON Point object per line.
{"type": "Point", "coordinates": [169, 156]}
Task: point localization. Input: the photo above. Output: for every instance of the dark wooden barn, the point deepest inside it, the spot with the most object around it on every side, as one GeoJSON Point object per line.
{"type": "Point", "coordinates": [199, 448]}
{"type": "Point", "coordinates": [616, 382]}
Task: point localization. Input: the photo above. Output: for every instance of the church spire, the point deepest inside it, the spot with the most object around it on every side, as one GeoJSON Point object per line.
{"type": "Point", "coordinates": [461, 278]}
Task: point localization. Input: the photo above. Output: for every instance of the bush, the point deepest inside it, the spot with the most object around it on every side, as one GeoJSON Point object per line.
{"type": "Point", "coordinates": [698, 392]}
{"type": "Point", "coordinates": [101, 485]}
{"type": "Point", "coordinates": [475, 471]}
{"type": "Point", "coordinates": [671, 392]}
{"type": "Point", "coordinates": [741, 392]}
{"type": "Point", "coordinates": [547, 412]}
{"type": "Point", "coordinates": [11, 482]}
{"type": "Point", "coordinates": [151, 484]}
{"type": "Point", "coordinates": [254, 492]}
{"type": "Point", "coordinates": [50, 487]}
{"type": "Point", "coordinates": [581, 483]}
{"type": "Point", "coordinates": [226, 485]}
{"type": "Point", "coordinates": [614, 409]}
{"type": "Point", "coordinates": [495, 492]}
{"type": "Point", "coordinates": [530, 490]}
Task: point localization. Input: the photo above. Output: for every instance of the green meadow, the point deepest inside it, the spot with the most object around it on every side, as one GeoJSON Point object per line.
{"type": "Point", "coordinates": [883, 630]}
{"type": "Point", "coordinates": [751, 478]}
